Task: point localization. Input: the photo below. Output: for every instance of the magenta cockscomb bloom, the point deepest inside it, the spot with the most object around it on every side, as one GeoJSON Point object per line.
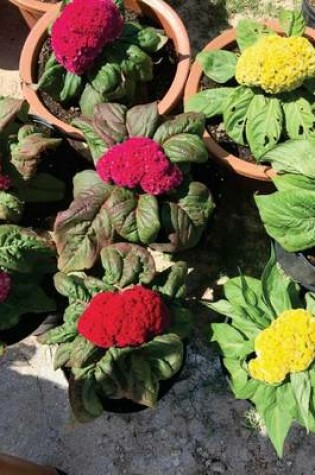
{"type": "Point", "coordinates": [5, 182]}
{"type": "Point", "coordinates": [82, 30]}
{"type": "Point", "coordinates": [139, 161]}
{"type": "Point", "coordinates": [5, 286]}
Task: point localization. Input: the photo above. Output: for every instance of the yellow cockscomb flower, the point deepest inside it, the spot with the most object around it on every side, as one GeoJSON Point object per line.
{"type": "Point", "coordinates": [286, 346]}
{"type": "Point", "coordinates": [276, 64]}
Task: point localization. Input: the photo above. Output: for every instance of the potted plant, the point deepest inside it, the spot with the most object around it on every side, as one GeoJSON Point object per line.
{"type": "Point", "coordinates": [122, 333]}
{"type": "Point", "coordinates": [267, 346]}
{"type": "Point", "coordinates": [288, 216]}
{"type": "Point", "coordinates": [112, 60]}
{"type": "Point", "coordinates": [33, 10]}
{"type": "Point", "coordinates": [267, 73]}
{"type": "Point", "coordinates": [141, 190]}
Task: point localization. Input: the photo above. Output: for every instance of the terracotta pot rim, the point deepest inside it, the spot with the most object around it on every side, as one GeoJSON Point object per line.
{"type": "Point", "coordinates": [241, 167]}
{"type": "Point", "coordinates": [38, 34]}
{"type": "Point", "coordinates": [35, 5]}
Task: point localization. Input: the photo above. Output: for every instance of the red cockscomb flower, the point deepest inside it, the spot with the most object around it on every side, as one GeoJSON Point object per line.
{"type": "Point", "coordinates": [82, 30]}
{"type": "Point", "coordinates": [5, 285]}
{"type": "Point", "coordinates": [139, 161]}
{"type": "Point", "coordinates": [127, 318]}
{"type": "Point", "coordinates": [5, 182]}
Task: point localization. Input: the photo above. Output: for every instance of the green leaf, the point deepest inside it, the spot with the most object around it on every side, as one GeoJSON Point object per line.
{"type": "Point", "coordinates": [292, 22]}
{"type": "Point", "coordinates": [68, 330]}
{"type": "Point", "coordinates": [11, 208]}
{"type": "Point", "coordinates": [231, 341]}
{"type": "Point", "coordinates": [24, 298]}
{"type": "Point", "coordinates": [210, 102]}
{"type": "Point", "coordinates": [293, 182]}
{"type": "Point", "coordinates": [171, 282]}
{"type": "Point", "coordinates": [147, 217]}
{"type": "Point", "coordinates": [248, 32]}
{"type": "Point", "coordinates": [96, 144]}
{"type": "Point", "coordinates": [310, 302]}
{"type": "Point", "coordinates": [187, 123]}
{"type": "Point", "coordinates": [301, 386]}
{"type": "Point", "coordinates": [85, 181]}
{"type": "Point", "coordinates": [218, 65]}
{"type": "Point", "coordinates": [78, 287]}
{"type": "Point", "coordinates": [236, 112]}
{"type": "Point", "coordinates": [138, 63]}
{"type": "Point", "coordinates": [293, 156]}
{"type": "Point", "coordinates": [242, 386]}
{"type": "Point", "coordinates": [81, 231]}
{"type": "Point", "coordinates": [52, 80]}
{"type": "Point", "coordinates": [181, 321]}
{"type": "Point", "coordinates": [142, 384]}
{"type": "Point", "coordinates": [84, 400]}
{"type": "Point", "coordinates": [2, 348]}
{"type": "Point", "coordinates": [109, 121]}
{"type": "Point", "coordinates": [142, 120]}
{"type": "Point", "coordinates": [10, 109]}
{"type": "Point", "coordinates": [289, 218]}
{"type": "Point", "coordinates": [164, 354]}
{"type": "Point", "coordinates": [186, 148]}
{"type": "Point", "coordinates": [83, 352]}
{"type": "Point", "coordinates": [277, 288]}
{"type": "Point", "coordinates": [184, 221]}
{"type": "Point", "coordinates": [105, 79]}
{"type": "Point", "coordinates": [299, 117]}
{"type": "Point", "coordinates": [90, 97]}
{"type": "Point", "coordinates": [264, 124]}
{"type": "Point", "coordinates": [21, 250]}
{"type": "Point", "coordinates": [62, 355]}
{"type": "Point", "coordinates": [72, 87]}
{"type": "Point", "coordinates": [125, 264]}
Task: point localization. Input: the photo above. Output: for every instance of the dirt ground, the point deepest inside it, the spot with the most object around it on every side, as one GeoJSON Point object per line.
{"type": "Point", "coordinates": [198, 428]}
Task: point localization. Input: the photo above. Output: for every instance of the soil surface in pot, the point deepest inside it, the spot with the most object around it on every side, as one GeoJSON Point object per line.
{"type": "Point", "coordinates": [164, 70]}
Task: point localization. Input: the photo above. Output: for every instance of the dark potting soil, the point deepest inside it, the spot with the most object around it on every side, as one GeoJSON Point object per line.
{"type": "Point", "coordinates": [164, 69]}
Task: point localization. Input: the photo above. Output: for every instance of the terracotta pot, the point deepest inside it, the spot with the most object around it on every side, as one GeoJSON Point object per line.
{"type": "Point", "coordinates": [227, 40]}
{"type": "Point", "coordinates": [10, 465]}
{"type": "Point", "coordinates": [33, 10]}
{"type": "Point", "coordinates": [156, 9]}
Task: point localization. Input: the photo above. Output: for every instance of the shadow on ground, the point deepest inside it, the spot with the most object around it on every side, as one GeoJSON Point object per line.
{"type": "Point", "coordinates": [11, 43]}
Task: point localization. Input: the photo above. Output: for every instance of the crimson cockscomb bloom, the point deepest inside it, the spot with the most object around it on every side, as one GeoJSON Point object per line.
{"type": "Point", "coordinates": [82, 30]}
{"type": "Point", "coordinates": [126, 318]}
{"type": "Point", "coordinates": [139, 161]}
{"type": "Point", "coordinates": [5, 286]}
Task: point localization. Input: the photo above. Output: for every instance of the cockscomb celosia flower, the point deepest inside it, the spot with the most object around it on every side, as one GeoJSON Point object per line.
{"type": "Point", "coordinates": [5, 182]}
{"type": "Point", "coordinates": [127, 318]}
{"type": "Point", "coordinates": [139, 161]}
{"type": "Point", "coordinates": [286, 346]}
{"type": "Point", "coordinates": [276, 64]}
{"type": "Point", "coordinates": [5, 285]}
{"type": "Point", "coordinates": [82, 30]}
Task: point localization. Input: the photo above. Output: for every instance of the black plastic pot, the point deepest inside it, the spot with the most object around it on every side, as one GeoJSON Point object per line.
{"type": "Point", "coordinates": [308, 13]}
{"type": "Point", "coordinates": [297, 266]}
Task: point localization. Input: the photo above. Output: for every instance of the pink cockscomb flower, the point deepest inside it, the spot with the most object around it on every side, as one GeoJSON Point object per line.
{"type": "Point", "coordinates": [82, 30]}
{"type": "Point", "coordinates": [5, 182]}
{"type": "Point", "coordinates": [5, 285]}
{"type": "Point", "coordinates": [139, 161]}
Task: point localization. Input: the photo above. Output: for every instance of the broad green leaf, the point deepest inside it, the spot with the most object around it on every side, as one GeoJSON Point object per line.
{"type": "Point", "coordinates": [21, 250]}
{"type": "Point", "coordinates": [218, 65]}
{"type": "Point", "coordinates": [289, 218]}
{"type": "Point", "coordinates": [186, 148]}
{"type": "Point", "coordinates": [293, 182]}
{"type": "Point", "coordinates": [292, 22]}
{"type": "Point", "coordinates": [301, 386]}
{"type": "Point", "coordinates": [72, 87]}
{"type": "Point", "coordinates": [299, 117]}
{"type": "Point", "coordinates": [310, 302]}
{"type": "Point", "coordinates": [147, 217]}
{"type": "Point", "coordinates": [181, 321]}
{"type": "Point", "coordinates": [83, 352]}
{"type": "Point", "coordinates": [24, 298]}
{"type": "Point", "coordinates": [264, 124]}
{"type": "Point", "coordinates": [125, 264]}
{"type": "Point", "coordinates": [236, 113]}
{"type": "Point", "coordinates": [142, 120]}
{"type": "Point", "coordinates": [62, 355]}
{"type": "Point", "coordinates": [293, 156]}
{"type": "Point", "coordinates": [85, 181]}
{"type": "Point", "coordinates": [231, 341]}
{"type": "Point", "coordinates": [78, 287]}
{"type": "Point", "coordinates": [189, 123]}
{"type": "Point", "coordinates": [109, 121]}
{"type": "Point", "coordinates": [105, 78]}
{"type": "Point", "coordinates": [68, 330]}
{"type": "Point", "coordinates": [249, 32]}
{"type": "Point", "coordinates": [165, 355]}
{"type": "Point", "coordinates": [242, 386]}
{"type": "Point", "coordinates": [10, 109]}
{"type": "Point", "coordinates": [81, 231]}
{"type": "Point", "coordinates": [96, 144]}
{"type": "Point", "coordinates": [11, 208]}
{"type": "Point", "coordinates": [84, 400]}
{"type": "Point", "coordinates": [171, 282]}
{"type": "Point", "coordinates": [210, 102]}
{"type": "Point", "coordinates": [142, 384]}
{"type": "Point", "coordinates": [90, 97]}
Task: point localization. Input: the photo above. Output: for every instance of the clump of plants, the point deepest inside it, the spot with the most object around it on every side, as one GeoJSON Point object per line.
{"type": "Point", "coordinates": [24, 148]}
{"type": "Point", "coordinates": [268, 91]}
{"type": "Point", "coordinates": [268, 348]}
{"type": "Point", "coordinates": [98, 55]}
{"type": "Point", "coordinates": [26, 259]}
{"type": "Point", "coordinates": [141, 190]}
{"type": "Point", "coordinates": [123, 330]}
